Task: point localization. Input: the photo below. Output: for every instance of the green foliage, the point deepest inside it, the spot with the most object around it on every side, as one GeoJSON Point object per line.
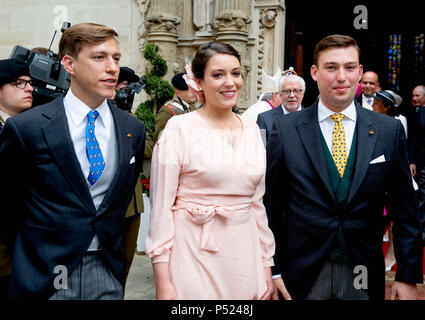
{"type": "Point", "coordinates": [144, 113]}
{"type": "Point", "coordinates": [158, 89]}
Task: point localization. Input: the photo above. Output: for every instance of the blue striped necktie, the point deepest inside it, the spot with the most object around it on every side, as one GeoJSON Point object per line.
{"type": "Point", "coordinates": [93, 152]}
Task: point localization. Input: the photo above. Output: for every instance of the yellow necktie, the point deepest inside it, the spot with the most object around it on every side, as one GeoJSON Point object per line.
{"type": "Point", "coordinates": [339, 149]}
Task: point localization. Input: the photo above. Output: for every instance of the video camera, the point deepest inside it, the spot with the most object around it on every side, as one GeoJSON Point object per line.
{"type": "Point", "coordinates": [125, 97]}
{"type": "Point", "coordinates": [49, 76]}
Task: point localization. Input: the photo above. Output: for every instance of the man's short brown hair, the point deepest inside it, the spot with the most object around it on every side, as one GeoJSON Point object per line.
{"type": "Point", "coordinates": [80, 34]}
{"type": "Point", "coordinates": [334, 41]}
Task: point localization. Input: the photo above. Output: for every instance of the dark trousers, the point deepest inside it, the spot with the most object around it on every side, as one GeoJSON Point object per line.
{"type": "Point", "coordinates": [420, 180]}
{"type": "Point", "coordinates": [4, 286]}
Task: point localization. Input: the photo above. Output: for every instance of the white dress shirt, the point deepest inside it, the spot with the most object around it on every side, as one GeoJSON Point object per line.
{"type": "Point", "coordinates": [4, 116]}
{"type": "Point", "coordinates": [327, 124]}
{"type": "Point", "coordinates": [76, 113]}
{"type": "Point", "coordinates": [365, 102]}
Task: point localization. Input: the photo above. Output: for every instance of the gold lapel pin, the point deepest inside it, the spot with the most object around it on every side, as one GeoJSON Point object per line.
{"type": "Point", "coordinates": [129, 135]}
{"type": "Point", "coordinates": [371, 132]}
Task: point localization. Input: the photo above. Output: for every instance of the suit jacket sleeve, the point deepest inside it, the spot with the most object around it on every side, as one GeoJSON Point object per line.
{"type": "Point", "coordinates": [149, 147]}
{"type": "Point", "coordinates": [407, 227]}
{"type": "Point", "coordinates": [14, 160]}
{"type": "Point", "coordinates": [274, 197]}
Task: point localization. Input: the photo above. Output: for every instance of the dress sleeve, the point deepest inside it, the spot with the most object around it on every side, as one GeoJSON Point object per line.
{"type": "Point", "coordinates": [165, 171]}
{"type": "Point", "coordinates": [266, 237]}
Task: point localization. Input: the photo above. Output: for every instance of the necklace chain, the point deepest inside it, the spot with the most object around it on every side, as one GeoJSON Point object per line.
{"type": "Point", "coordinates": [228, 138]}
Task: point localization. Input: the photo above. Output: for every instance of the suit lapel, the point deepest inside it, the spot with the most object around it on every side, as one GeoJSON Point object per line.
{"type": "Point", "coordinates": [58, 139]}
{"type": "Point", "coordinates": [309, 132]}
{"type": "Point", "coordinates": [366, 139]}
{"type": "Point", "coordinates": [124, 147]}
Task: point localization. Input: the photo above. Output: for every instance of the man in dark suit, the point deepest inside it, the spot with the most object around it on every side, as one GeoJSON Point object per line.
{"type": "Point", "coordinates": [330, 169]}
{"type": "Point", "coordinates": [72, 167]}
{"type": "Point", "coordinates": [292, 94]}
{"type": "Point", "coordinates": [415, 125]}
{"type": "Point", "coordinates": [419, 155]}
{"type": "Point", "coordinates": [370, 85]}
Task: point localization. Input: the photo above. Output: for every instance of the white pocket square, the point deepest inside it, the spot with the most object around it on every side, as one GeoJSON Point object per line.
{"type": "Point", "coordinates": [133, 160]}
{"type": "Point", "coordinates": [378, 160]}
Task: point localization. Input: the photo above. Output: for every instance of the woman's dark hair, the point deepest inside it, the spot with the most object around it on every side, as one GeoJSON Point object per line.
{"type": "Point", "coordinates": [206, 52]}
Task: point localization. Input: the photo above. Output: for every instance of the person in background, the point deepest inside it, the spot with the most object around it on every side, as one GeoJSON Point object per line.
{"type": "Point", "coordinates": [369, 84]}
{"type": "Point", "coordinates": [269, 98]}
{"type": "Point", "coordinates": [15, 97]}
{"type": "Point", "coordinates": [292, 94]}
{"type": "Point", "coordinates": [183, 101]}
{"type": "Point", "coordinates": [135, 208]}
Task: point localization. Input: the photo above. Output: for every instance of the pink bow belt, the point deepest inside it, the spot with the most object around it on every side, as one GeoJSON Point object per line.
{"type": "Point", "coordinates": [203, 215]}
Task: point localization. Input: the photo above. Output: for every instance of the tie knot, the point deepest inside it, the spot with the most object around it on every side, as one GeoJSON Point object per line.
{"type": "Point", "coordinates": [92, 115]}
{"type": "Point", "coordinates": [337, 117]}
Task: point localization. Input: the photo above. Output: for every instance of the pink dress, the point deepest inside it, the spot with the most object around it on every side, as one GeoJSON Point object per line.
{"type": "Point", "coordinates": [207, 214]}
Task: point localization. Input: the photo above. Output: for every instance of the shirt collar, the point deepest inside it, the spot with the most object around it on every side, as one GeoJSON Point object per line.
{"type": "Point", "coordinates": [349, 112]}
{"type": "Point", "coordinates": [286, 111]}
{"type": "Point", "coordinates": [78, 110]}
{"type": "Point", "coordinates": [4, 115]}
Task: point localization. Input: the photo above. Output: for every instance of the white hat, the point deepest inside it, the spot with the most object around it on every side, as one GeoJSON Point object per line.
{"type": "Point", "coordinates": [389, 96]}
{"type": "Point", "coordinates": [271, 83]}
{"type": "Point", "coordinates": [397, 98]}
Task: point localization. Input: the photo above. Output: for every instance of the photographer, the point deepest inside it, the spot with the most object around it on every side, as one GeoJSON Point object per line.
{"type": "Point", "coordinates": [132, 217]}
{"type": "Point", "coordinates": [127, 86]}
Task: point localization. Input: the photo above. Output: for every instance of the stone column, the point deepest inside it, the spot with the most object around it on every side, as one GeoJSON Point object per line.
{"type": "Point", "coordinates": [203, 14]}
{"type": "Point", "coordinates": [231, 26]}
{"type": "Point", "coordinates": [161, 29]}
{"type": "Point", "coordinates": [271, 35]}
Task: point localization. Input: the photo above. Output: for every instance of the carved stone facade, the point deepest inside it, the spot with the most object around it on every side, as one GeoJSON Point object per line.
{"type": "Point", "coordinates": [255, 28]}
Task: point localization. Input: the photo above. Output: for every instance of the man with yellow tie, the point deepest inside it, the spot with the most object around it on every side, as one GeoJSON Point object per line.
{"type": "Point", "coordinates": [337, 164]}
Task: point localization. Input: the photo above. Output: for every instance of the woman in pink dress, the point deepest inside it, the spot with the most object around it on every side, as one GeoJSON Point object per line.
{"type": "Point", "coordinates": [209, 236]}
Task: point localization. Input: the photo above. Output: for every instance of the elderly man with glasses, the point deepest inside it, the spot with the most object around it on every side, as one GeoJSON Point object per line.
{"type": "Point", "coordinates": [15, 89]}
{"type": "Point", "coordinates": [292, 94]}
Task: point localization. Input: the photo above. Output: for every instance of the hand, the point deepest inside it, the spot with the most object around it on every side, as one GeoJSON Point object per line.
{"type": "Point", "coordinates": [166, 291]}
{"type": "Point", "coordinates": [270, 288]}
{"type": "Point", "coordinates": [413, 169]}
{"type": "Point", "coordinates": [279, 287]}
{"type": "Point", "coordinates": [403, 291]}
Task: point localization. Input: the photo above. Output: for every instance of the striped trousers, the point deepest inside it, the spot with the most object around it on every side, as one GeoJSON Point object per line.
{"type": "Point", "coordinates": [91, 280]}
{"type": "Point", "coordinates": [336, 282]}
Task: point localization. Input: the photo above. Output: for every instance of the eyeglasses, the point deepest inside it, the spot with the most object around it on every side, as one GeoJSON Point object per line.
{"type": "Point", "coordinates": [22, 83]}
{"type": "Point", "coordinates": [289, 91]}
